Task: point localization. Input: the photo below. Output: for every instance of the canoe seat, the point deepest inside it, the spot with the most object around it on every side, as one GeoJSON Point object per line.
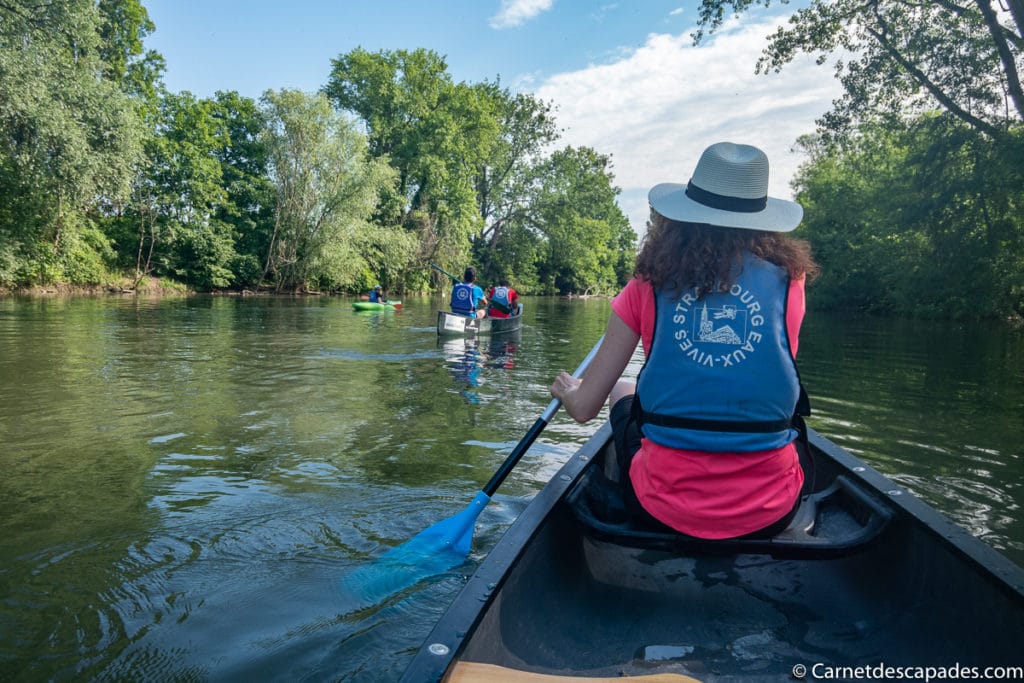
{"type": "Point", "coordinates": [833, 522]}
{"type": "Point", "coordinates": [475, 672]}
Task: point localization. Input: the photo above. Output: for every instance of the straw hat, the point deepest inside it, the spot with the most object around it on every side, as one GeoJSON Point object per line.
{"type": "Point", "coordinates": [729, 189]}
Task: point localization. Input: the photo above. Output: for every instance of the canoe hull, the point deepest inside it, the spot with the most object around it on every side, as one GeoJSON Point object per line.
{"type": "Point", "coordinates": [452, 325]}
{"type": "Point", "coordinates": [551, 599]}
{"type": "Point", "coordinates": [374, 305]}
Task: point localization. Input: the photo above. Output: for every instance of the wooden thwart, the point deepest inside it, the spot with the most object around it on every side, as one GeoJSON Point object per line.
{"type": "Point", "coordinates": [475, 672]}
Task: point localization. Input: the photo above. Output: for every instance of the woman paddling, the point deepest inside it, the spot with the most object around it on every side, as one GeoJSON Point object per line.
{"type": "Point", "coordinates": [705, 436]}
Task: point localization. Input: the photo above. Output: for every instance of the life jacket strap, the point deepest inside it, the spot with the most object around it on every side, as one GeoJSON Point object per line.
{"type": "Point", "coordinates": [803, 408]}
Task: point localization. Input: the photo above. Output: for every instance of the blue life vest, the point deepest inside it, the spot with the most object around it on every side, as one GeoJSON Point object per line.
{"type": "Point", "coordinates": [462, 299]}
{"type": "Point", "coordinates": [500, 300]}
{"type": "Point", "coordinates": [720, 376]}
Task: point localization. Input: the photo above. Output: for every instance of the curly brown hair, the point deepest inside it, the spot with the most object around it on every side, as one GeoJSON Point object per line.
{"type": "Point", "coordinates": [677, 255]}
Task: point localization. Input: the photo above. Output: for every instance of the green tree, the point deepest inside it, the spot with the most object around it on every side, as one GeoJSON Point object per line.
{"type": "Point", "coordinates": [436, 134]}
{"type": "Point", "coordinates": [70, 142]}
{"type": "Point", "coordinates": [178, 203]}
{"type": "Point", "coordinates": [589, 245]}
{"type": "Point", "coordinates": [250, 201]}
{"type": "Point", "coordinates": [508, 187]}
{"type": "Point", "coordinates": [123, 28]}
{"type": "Point", "coordinates": [920, 220]}
{"type": "Point", "coordinates": [327, 188]}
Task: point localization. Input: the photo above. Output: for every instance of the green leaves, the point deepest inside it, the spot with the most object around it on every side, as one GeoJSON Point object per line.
{"type": "Point", "coordinates": [896, 58]}
{"type": "Point", "coordinates": [102, 169]}
{"type": "Point", "coordinates": [921, 220]}
{"type": "Point", "coordinates": [326, 189]}
{"type": "Point", "coordinates": [70, 138]}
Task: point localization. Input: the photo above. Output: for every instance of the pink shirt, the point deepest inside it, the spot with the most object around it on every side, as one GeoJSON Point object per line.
{"type": "Point", "coordinates": [711, 495]}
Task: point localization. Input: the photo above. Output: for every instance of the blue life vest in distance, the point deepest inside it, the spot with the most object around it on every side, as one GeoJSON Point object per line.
{"type": "Point", "coordinates": [462, 298]}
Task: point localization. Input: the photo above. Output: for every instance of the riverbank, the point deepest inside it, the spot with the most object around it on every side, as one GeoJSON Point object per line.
{"type": "Point", "coordinates": [148, 286]}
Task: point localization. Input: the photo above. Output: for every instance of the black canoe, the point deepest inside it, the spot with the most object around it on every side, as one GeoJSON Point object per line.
{"type": "Point", "coordinates": [453, 324]}
{"type": "Point", "coordinates": [867, 576]}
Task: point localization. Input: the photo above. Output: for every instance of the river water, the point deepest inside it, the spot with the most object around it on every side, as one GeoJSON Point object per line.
{"type": "Point", "coordinates": [186, 481]}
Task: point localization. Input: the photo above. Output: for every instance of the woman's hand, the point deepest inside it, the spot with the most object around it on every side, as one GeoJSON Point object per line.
{"type": "Point", "coordinates": [565, 388]}
{"type": "Point", "coordinates": [583, 398]}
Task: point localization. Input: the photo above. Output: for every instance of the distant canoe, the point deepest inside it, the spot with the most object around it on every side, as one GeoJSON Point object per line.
{"type": "Point", "coordinates": [376, 305]}
{"type": "Point", "coordinates": [454, 325]}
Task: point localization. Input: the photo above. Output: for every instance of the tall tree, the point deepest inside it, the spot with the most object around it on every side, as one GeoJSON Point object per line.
{"type": "Point", "coordinates": [508, 183]}
{"type": "Point", "coordinates": [123, 28]}
{"type": "Point", "coordinates": [327, 188]}
{"type": "Point", "coordinates": [180, 199]}
{"type": "Point", "coordinates": [69, 139]}
{"type": "Point", "coordinates": [436, 133]}
{"type": "Point", "coordinates": [245, 176]}
{"type": "Point", "coordinates": [922, 220]}
{"type": "Point", "coordinates": [589, 245]}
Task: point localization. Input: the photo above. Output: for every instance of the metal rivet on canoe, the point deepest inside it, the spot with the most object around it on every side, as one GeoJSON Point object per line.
{"type": "Point", "coordinates": [438, 649]}
{"type": "Point", "coordinates": [565, 477]}
{"type": "Point", "coordinates": [584, 458]}
{"type": "Point", "coordinates": [895, 492]}
{"type": "Point", "coordinates": [860, 469]}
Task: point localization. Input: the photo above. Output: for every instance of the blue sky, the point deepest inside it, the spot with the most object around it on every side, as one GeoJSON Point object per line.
{"type": "Point", "coordinates": [624, 76]}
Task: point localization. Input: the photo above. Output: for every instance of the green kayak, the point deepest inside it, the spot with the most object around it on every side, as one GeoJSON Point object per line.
{"type": "Point", "coordinates": [376, 305]}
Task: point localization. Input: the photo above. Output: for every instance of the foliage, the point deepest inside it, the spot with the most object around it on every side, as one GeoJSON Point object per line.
{"type": "Point", "coordinates": [70, 138]}
{"type": "Point", "coordinates": [245, 177]}
{"type": "Point", "coordinates": [472, 171]}
{"type": "Point", "coordinates": [922, 220]}
{"type": "Point", "coordinates": [896, 57]}
{"type": "Point", "coordinates": [177, 199]}
{"type": "Point", "coordinates": [435, 132]}
{"type": "Point", "coordinates": [588, 239]}
{"type": "Point", "coordinates": [123, 29]}
{"type": "Point", "coordinates": [103, 172]}
{"type": "Point", "coordinates": [327, 188]}
{"type": "Point", "coordinates": [508, 187]}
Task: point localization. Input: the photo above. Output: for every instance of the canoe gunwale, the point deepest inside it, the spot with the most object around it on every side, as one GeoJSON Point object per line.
{"type": "Point", "coordinates": [982, 556]}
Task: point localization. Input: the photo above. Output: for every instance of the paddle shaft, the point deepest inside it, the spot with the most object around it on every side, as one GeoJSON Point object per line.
{"type": "Point", "coordinates": [517, 453]}
{"type": "Point", "coordinates": [442, 270]}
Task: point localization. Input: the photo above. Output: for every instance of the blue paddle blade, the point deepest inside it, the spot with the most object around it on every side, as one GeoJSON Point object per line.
{"type": "Point", "coordinates": [434, 550]}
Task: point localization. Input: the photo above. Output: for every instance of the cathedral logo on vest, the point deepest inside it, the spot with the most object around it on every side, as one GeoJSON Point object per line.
{"type": "Point", "coordinates": [723, 328]}
{"type": "Point", "coordinates": [709, 329]}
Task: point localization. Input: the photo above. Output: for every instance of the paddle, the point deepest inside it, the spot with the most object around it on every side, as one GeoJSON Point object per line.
{"type": "Point", "coordinates": [445, 544]}
{"type": "Point", "coordinates": [442, 270]}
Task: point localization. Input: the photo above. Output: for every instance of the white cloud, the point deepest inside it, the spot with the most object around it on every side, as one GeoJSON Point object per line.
{"type": "Point", "coordinates": [656, 109]}
{"type": "Point", "coordinates": [516, 12]}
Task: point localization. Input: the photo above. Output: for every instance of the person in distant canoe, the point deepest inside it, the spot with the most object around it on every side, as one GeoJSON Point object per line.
{"type": "Point", "coordinates": [467, 297]}
{"type": "Point", "coordinates": [377, 295]}
{"type": "Point", "coordinates": [502, 301]}
{"type": "Point", "coordinates": [705, 434]}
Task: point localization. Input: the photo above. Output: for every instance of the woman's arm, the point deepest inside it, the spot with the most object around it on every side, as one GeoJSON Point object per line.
{"type": "Point", "coordinates": [583, 398]}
